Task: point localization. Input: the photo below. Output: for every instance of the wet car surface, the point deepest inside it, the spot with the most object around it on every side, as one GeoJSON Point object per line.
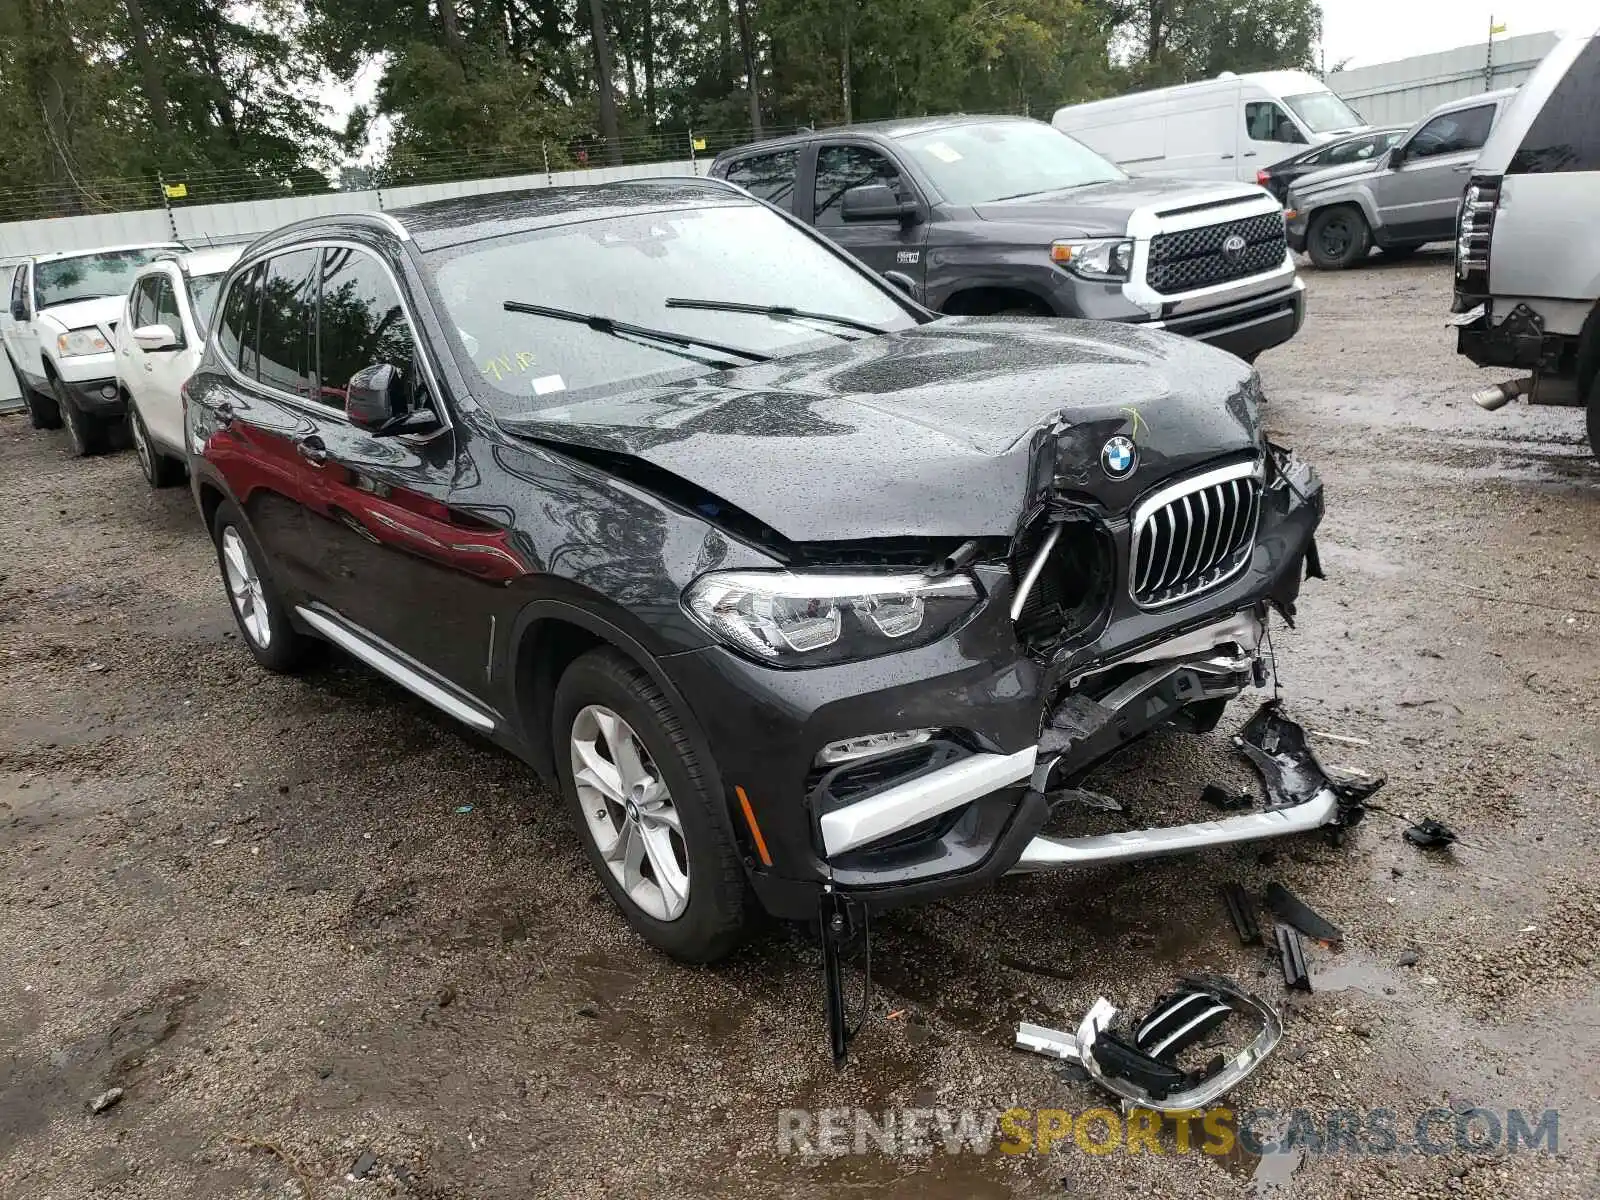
{"type": "Point", "coordinates": [255, 905]}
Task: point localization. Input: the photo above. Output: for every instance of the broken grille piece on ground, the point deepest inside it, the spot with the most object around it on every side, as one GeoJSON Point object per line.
{"type": "Point", "coordinates": [1289, 907]}
{"type": "Point", "coordinates": [1292, 958]}
{"type": "Point", "coordinates": [1141, 1065]}
{"type": "Point", "coordinates": [1242, 913]}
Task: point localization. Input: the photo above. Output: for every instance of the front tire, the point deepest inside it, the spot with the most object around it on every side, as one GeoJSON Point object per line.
{"type": "Point", "coordinates": [1594, 417]}
{"type": "Point", "coordinates": [43, 413]}
{"type": "Point", "coordinates": [159, 470]}
{"type": "Point", "coordinates": [1338, 239]}
{"type": "Point", "coordinates": [261, 616]}
{"type": "Point", "coordinates": [85, 434]}
{"type": "Point", "coordinates": [655, 833]}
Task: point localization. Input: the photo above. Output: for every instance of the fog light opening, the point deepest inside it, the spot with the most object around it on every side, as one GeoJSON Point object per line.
{"type": "Point", "coordinates": [109, 392]}
{"type": "Point", "coordinates": [850, 749]}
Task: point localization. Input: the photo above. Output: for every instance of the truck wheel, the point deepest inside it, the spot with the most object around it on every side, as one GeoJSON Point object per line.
{"type": "Point", "coordinates": [42, 411]}
{"type": "Point", "coordinates": [1338, 238]}
{"type": "Point", "coordinates": [86, 434]}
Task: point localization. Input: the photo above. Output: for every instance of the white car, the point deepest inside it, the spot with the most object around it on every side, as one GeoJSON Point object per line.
{"type": "Point", "coordinates": [57, 328]}
{"type": "Point", "coordinates": [160, 335]}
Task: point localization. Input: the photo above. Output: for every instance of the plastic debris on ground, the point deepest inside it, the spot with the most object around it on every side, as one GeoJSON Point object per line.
{"type": "Point", "coordinates": [1431, 835]}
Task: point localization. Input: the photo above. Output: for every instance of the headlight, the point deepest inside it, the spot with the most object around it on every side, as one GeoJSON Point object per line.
{"type": "Point", "coordinates": [81, 341]}
{"type": "Point", "coordinates": [1094, 258]}
{"type": "Point", "coordinates": [809, 620]}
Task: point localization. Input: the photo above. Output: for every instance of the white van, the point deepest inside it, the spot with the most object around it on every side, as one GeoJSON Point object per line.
{"type": "Point", "coordinates": [1229, 127]}
{"type": "Point", "coordinates": [1527, 249]}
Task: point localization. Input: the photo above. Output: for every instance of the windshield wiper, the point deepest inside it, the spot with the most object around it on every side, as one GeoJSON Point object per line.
{"type": "Point", "coordinates": [782, 311]}
{"type": "Point", "coordinates": [631, 332]}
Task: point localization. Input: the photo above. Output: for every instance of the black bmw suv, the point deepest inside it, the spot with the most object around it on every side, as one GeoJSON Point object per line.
{"type": "Point", "coordinates": [796, 590]}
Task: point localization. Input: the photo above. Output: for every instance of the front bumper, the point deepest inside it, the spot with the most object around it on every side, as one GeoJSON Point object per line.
{"type": "Point", "coordinates": [1248, 327]}
{"type": "Point", "coordinates": [96, 397]}
{"type": "Point", "coordinates": [959, 825]}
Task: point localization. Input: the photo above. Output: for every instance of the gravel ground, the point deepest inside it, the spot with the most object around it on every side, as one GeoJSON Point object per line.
{"type": "Point", "coordinates": [250, 904]}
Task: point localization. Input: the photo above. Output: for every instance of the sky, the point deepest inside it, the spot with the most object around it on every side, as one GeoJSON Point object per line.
{"type": "Point", "coordinates": [1377, 31]}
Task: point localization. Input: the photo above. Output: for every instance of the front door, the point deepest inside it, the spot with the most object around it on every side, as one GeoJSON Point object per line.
{"type": "Point", "coordinates": [1418, 199]}
{"type": "Point", "coordinates": [1270, 136]}
{"type": "Point", "coordinates": [893, 247]}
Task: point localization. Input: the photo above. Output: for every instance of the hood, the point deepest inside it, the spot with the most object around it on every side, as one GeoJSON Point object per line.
{"type": "Point", "coordinates": [1327, 175]}
{"type": "Point", "coordinates": [1105, 207]}
{"type": "Point", "coordinates": [104, 311]}
{"type": "Point", "coordinates": [951, 429]}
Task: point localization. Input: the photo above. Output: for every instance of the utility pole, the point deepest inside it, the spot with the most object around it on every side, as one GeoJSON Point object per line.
{"type": "Point", "coordinates": [1488, 58]}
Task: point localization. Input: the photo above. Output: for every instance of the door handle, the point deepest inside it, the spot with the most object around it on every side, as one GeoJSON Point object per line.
{"type": "Point", "coordinates": [1227, 156]}
{"type": "Point", "coordinates": [1249, 154]}
{"type": "Point", "coordinates": [312, 450]}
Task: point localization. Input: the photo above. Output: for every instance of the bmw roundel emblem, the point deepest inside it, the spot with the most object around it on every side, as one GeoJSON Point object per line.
{"type": "Point", "coordinates": [1118, 457]}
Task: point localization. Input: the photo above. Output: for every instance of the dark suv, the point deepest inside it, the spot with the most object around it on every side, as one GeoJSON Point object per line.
{"type": "Point", "coordinates": [793, 588]}
{"type": "Point", "coordinates": [985, 215]}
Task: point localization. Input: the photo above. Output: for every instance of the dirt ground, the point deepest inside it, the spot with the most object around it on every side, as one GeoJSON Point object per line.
{"type": "Point", "coordinates": [251, 903]}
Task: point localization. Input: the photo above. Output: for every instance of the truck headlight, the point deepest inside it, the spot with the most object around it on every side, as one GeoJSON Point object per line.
{"type": "Point", "coordinates": [81, 341]}
{"type": "Point", "coordinates": [805, 620]}
{"type": "Point", "coordinates": [1094, 258]}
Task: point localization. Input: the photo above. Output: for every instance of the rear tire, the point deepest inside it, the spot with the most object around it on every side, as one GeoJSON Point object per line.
{"type": "Point", "coordinates": [159, 469]}
{"type": "Point", "coordinates": [85, 434]}
{"type": "Point", "coordinates": [1338, 238]}
{"type": "Point", "coordinates": [257, 608]}
{"type": "Point", "coordinates": [1594, 417]}
{"type": "Point", "coordinates": [648, 817]}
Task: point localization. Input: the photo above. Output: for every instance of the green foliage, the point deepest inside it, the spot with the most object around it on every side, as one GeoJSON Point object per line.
{"type": "Point", "coordinates": [99, 97]}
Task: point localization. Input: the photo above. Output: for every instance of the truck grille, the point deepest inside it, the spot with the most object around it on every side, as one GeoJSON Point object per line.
{"type": "Point", "coordinates": [1195, 258]}
{"type": "Point", "coordinates": [1194, 535]}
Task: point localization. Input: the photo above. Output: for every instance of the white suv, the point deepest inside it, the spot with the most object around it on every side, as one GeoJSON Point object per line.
{"type": "Point", "coordinates": [159, 337]}
{"type": "Point", "coordinates": [57, 326]}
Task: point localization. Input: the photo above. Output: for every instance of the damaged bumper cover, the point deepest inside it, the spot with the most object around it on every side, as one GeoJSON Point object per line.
{"type": "Point", "coordinates": [1003, 728]}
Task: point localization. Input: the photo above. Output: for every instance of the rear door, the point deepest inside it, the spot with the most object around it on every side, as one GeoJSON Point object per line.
{"type": "Point", "coordinates": [1417, 201]}
{"type": "Point", "coordinates": [22, 337]}
{"type": "Point", "coordinates": [892, 246]}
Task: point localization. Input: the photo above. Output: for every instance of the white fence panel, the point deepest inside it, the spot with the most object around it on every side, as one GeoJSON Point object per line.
{"type": "Point", "coordinates": [1405, 91]}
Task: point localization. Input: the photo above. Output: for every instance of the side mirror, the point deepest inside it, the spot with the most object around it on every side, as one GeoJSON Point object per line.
{"type": "Point", "coordinates": [1395, 157]}
{"type": "Point", "coordinates": [155, 337]}
{"type": "Point", "coordinates": [372, 400]}
{"type": "Point", "coordinates": [19, 311]}
{"type": "Point", "coordinates": [874, 202]}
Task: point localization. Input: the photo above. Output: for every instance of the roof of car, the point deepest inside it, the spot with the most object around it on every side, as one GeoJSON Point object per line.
{"type": "Point", "coordinates": [492, 214]}
{"type": "Point", "coordinates": [1472, 101]}
{"type": "Point", "coordinates": [897, 127]}
{"type": "Point", "coordinates": [55, 254]}
{"type": "Point", "coordinates": [211, 260]}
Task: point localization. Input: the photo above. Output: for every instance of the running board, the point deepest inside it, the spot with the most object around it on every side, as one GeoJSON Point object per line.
{"type": "Point", "coordinates": [394, 668]}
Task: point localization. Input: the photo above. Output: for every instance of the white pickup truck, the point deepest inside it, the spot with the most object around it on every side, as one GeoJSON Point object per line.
{"type": "Point", "coordinates": [58, 326]}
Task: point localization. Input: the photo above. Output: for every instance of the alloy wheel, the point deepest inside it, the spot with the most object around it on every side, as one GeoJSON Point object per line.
{"type": "Point", "coordinates": [244, 588]}
{"type": "Point", "coordinates": [629, 813]}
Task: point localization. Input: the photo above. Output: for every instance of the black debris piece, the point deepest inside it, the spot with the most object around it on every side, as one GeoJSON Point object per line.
{"type": "Point", "coordinates": [1117, 1056]}
{"type": "Point", "coordinates": [1431, 835]}
{"type": "Point", "coordinates": [1228, 801]}
{"type": "Point", "coordinates": [363, 1165]}
{"type": "Point", "coordinates": [1292, 958]}
{"type": "Point", "coordinates": [1279, 749]}
{"type": "Point", "coordinates": [1242, 913]}
{"type": "Point", "coordinates": [1289, 907]}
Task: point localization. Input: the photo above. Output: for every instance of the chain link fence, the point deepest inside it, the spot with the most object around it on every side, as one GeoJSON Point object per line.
{"type": "Point", "coordinates": [177, 188]}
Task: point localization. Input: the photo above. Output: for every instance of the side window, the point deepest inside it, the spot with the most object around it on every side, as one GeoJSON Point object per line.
{"type": "Point", "coordinates": [840, 168]}
{"type": "Point", "coordinates": [12, 285]}
{"type": "Point", "coordinates": [288, 322]}
{"type": "Point", "coordinates": [144, 301]}
{"type": "Point", "coordinates": [1264, 121]}
{"type": "Point", "coordinates": [1565, 136]}
{"type": "Point", "coordinates": [1453, 133]}
{"type": "Point", "coordinates": [363, 322]}
{"type": "Point", "coordinates": [768, 177]}
{"type": "Point", "coordinates": [167, 307]}
{"type": "Point", "coordinates": [239, 317]}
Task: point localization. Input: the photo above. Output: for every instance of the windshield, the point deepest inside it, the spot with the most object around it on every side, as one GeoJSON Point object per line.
{"type": "Point", "coordinates": [626, 269]}
{"type": "Point", "coordinates": [978, 164]}
{"type": "Point", "coordinates": [203, 298]}
{"type": "Point", "coordinates": [1323, 112]}
{"type": "Point", "coordinates": [88, 276]}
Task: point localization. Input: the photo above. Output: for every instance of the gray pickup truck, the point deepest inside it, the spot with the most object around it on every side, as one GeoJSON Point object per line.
{"type": "Point", "coordinates": [985, 215]}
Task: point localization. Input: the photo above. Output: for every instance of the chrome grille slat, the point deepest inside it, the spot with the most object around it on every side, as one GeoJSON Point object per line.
{"type": "Point", "coordinates": [1202, 530]}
